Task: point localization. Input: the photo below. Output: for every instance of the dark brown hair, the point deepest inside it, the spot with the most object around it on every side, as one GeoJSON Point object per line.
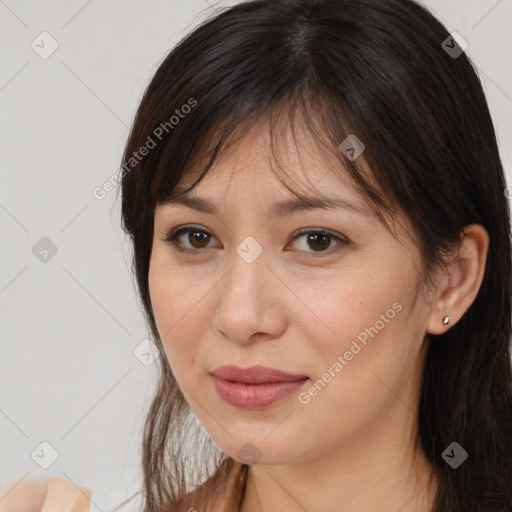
{"type": "Point", "coordinates": [379, 69]}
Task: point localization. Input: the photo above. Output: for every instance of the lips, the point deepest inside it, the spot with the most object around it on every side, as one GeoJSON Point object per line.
{"type": "Point", "coordinates": [256, 387]}
{"type": "Point", "coordinates": [255, 375]}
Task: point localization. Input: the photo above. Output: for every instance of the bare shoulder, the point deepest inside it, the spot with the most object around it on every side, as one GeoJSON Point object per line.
{"type": "Point", "coordinates": [22, 496]}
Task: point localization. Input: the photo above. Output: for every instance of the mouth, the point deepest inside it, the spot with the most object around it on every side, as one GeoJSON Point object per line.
{"type": "Point", "coordinates": [256, 387]}
{"type": "Point", "coordinates": [252, 383]}
{"type": "Point", "coordinates": [255, 375]}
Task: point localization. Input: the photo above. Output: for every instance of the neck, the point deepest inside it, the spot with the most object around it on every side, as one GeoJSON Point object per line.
{"type": "Point", "coordinates": [388, 473]}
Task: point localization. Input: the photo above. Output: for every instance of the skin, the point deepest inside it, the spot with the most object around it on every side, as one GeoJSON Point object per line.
{"type": "Point", "coordinates": [24, 496]}
{"type": "Point", "coordinates": [351, 447]}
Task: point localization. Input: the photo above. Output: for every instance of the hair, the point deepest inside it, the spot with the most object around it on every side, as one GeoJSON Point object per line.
{"type": "Point", "coordinates": [331, 68]}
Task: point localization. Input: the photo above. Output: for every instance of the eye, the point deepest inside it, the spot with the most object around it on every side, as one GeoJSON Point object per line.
{"type": "Point", "coordinates": [197, 237]}
{"type": "Point", "coordinates": [320, 240]}
{"type": "Point", "coordinates": [198, 240]}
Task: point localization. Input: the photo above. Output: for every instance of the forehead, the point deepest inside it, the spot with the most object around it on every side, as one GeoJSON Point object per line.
{"type": "Point", "coordinates": [249, 170]}
{"type": "Point", "coordinates": [227, 185]}
{"type": "Point", "coordinates": [259, 160]}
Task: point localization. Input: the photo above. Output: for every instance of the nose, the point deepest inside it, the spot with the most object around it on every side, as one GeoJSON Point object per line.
{"type": "Point", "coordinates": [250, 302]}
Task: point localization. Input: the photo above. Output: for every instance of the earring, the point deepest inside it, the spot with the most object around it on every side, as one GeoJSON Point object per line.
{"type": "Point", "coordinates": [446, 320]}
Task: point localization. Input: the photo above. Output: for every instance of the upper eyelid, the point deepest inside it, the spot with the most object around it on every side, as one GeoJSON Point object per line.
{"type": "Point", "coordinates": [301, 231]}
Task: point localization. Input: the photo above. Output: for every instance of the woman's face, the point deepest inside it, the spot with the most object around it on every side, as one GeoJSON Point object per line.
{"type": "Point", "coordinates": [344, 313]}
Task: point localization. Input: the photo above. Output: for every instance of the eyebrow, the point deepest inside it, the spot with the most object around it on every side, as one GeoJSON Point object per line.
{"type": "Point", "coordinates": [281, 209]}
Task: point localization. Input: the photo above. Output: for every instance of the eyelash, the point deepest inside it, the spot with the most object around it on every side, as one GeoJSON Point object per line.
{"type": "Point", "coordinates": [173, 235]}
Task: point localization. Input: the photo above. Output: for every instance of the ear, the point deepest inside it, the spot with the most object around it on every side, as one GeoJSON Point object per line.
{"type": "Point", "coordinates": [461, 280]}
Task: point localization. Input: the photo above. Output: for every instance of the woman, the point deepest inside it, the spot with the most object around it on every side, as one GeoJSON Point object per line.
{"type": "Point", "coordinates": [322, 248]}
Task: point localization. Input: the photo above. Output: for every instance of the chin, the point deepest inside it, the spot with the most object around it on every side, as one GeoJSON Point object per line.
{"type": "Point", "coordinates": [258, 450]}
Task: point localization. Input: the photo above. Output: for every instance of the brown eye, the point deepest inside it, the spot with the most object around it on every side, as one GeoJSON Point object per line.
{"type": "Point", "coordinates": [196, 240]}
{"type": "Point", "coordinates": [318, 241]}
{"type": "Point", "coordinates": [198, 237]}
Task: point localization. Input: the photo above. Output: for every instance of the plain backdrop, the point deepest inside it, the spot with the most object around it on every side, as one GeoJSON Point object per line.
{"type": "Point", "coordinates": [70, 318]}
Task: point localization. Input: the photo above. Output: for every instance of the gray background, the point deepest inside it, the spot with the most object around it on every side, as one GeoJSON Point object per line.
{"type": "Point", "coordinates": [69, 325]}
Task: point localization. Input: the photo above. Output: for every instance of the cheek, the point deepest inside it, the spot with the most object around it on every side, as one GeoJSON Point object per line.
{"type": "Point", "coordinates": [368, 315]}
{"type": "Point", "coordinates": [348, 306]}
{"type": "Point", "coordinates": [374, 349]}
{"type": "Point", "coordinates": [176, 302]}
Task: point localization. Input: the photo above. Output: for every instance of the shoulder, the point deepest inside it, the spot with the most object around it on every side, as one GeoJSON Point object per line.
{"type": "Point", "coordinates": [40, 496]}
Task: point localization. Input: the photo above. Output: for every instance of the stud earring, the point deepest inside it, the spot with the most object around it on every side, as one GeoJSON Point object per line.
{"type": "Point", "coordinates": [446, 320]}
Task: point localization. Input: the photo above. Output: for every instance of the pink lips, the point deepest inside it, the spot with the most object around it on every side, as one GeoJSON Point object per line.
{"type": "Point", "coordinates": [255, 387]}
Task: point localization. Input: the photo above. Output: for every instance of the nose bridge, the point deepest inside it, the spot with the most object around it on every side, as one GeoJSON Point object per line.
{"type": "Point", "coordinates": [246, 304]}
{"type": "Point", "coordinates": [249, 268]}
